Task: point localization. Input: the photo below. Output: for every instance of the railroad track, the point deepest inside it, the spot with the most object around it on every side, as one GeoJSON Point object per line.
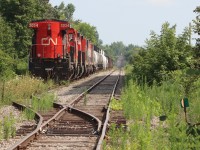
{"type": "Point", "coordinates": [77, 125]}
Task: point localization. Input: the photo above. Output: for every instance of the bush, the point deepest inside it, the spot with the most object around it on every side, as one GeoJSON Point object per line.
{"type": "Point", "coordinates": [145, 106]}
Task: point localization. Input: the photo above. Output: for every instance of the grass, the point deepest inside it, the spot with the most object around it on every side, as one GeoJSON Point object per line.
{"type": "Point", "coordinates": [7, 127]}
{"type": "Point", "coordinates": [141, 104]}
{"type": "Point", "coordinates": [116, 104]}
{"type": "Point", "coordinates": [42, 103]}
{"type": "Point", "coordinates": [21, 88]}
{"type": "Point", "coordinates": [30, 115]}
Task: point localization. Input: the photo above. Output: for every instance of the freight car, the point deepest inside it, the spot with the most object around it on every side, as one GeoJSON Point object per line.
{"type": "Point", "coordinates": [61, 52]}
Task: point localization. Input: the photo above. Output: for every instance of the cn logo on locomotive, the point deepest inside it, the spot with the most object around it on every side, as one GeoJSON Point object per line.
{"type": "Point", "coordinates": [48, 40]}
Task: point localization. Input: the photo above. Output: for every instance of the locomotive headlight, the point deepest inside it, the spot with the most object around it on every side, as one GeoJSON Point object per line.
{"type": "Point", "coordinates": [39, 55]}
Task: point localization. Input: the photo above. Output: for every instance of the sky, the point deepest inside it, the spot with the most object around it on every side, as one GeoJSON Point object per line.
{"type": "Point", "coordinates": [131, 21]}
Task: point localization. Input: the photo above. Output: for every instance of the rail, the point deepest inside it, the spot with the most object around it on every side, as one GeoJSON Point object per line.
{"type": "Point", "coordinates": [99, 144]}
{"type": "Point", "coordinates": [32, 135]}
{"type": "Point", "coordinates": [42, 127]}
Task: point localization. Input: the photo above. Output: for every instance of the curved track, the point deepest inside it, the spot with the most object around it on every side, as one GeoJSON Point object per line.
{"type": "Point", "coordinates": [79, 124]}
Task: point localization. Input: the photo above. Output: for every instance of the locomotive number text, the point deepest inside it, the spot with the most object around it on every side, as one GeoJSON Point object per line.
{"type": "Point", "coordinates": [33, 25]}
{"type": "Point", "coordinates": [63, 25]}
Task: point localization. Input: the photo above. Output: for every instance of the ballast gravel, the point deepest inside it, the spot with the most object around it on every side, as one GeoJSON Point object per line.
{"type": "Point", "coordinates": [19, 120]}
{"type": "Point", "coordinates": [64, 96]}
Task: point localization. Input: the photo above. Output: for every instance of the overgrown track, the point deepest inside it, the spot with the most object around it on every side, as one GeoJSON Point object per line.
{"type": "Point", "coordinates": [78, 125]}
{"type": "Point", "coordinates": [30, 132]}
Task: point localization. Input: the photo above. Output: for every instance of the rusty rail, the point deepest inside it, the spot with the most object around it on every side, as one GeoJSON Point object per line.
{"type": "Point", "coordinates": [88, 90]}
{"type": "Point", "coordinates": [29, 137]}
{"type": "Point", "coordinates": [41, 128]}
{"type": "Point", "coordinates": [92, 117]}
{"type": "Point", "coordinates": [99, 144]}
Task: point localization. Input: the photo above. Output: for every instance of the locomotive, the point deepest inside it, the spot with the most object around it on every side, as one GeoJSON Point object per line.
{"type": "Point", "coordinates": [59, 51]}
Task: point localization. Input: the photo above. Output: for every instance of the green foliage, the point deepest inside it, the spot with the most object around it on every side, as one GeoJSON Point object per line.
{"type": "Point", "coordinates": [65, 12]}
{"type": "Point", "coordinates": [87, 30]}
{"type": "Point", "coordinates": [44, 103]}
{"type": "Point", "coordinates": [9, 126]}
{"type": "Point", "coordinates": [143, 104]}
{"type": "Point", "coordinates": [197, 30]}
{"type": "Point", "coordinates": [21, 88]}
{"type": "Point", "coordinates": [118, 141]}
{"type": "Point", "coordinates": [7, 65]}
{"type": "Point", "coordinates": [116, 104]}
{"type": "Point", "coordinates": [22, 67]}
{"type": "Point", "coordinates": [30, 115]}
{"type": "Point", "coordinates": [164, 53]}
{"type": "Point", "coordinates": [17, 14]}
{"type": "Point", "coordinates": [131, 51]}
{"type": "Point", "coordinates": [115, 49]}
{"type": "Point", "coordinates": [6, 38]}
{"type": "Point", "coordinates": [196, 21]}
{"type": "Point", "coordinates": [187, 79]}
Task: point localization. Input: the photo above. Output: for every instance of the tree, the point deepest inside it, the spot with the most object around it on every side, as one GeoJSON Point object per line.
{"type": "Point", "coordinates": [163, 54]}
{"type": "Point", "coordinates": [130, 51]}
{"type": "Point", "coordinates": [65, 12]}
{"type": "Point", "coordinates": [7, 66]}
{"type": "Point", "coordinates": [18, 13]}
{"type": "Point", "coordinates": [7, 38]}
{"type": "Point", "coordinates": [87, 30]}
{"type": "Point", "coordinates": [197, 30]}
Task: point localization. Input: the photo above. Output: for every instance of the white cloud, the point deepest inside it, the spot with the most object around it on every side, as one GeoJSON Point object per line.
{"type": "Point", "coordinates": [161, 2]}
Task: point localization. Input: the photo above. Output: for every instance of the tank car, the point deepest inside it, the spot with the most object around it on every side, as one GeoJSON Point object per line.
{"type": "Point", "coordinates": [59, 51]}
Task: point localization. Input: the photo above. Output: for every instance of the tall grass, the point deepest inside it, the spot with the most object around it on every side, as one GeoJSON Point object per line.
{"type": "Point", "coordinates": [144, 108]}
{"type": "Point", "coordinates": [7, 127]}
{"type": "Point", "coordinates": [21, 88]}
{"type": "Point", "coordinates": [43, 103]}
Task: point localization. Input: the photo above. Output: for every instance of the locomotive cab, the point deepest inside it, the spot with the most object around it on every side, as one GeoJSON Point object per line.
{"type": "Point", "coordinates": [49, 55]}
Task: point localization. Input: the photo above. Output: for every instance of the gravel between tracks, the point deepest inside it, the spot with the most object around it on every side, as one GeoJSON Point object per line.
{"type": "Point", "coordinates": [66, 94]}
{"type": "Point", "coordinates": [19, 121]}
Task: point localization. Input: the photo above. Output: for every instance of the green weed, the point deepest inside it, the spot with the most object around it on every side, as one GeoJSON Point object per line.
{"type": "Point", "coordinates": [42, 103]}
{"type": "Point", "coordinates": [9, 129]}
{"type": "Point", "coordinates": [116, 104]}
{"type": "Point", "coordinates": [21, 88]}
{"type": "Point", "coordinates": [30, 115]}
{"type": "Point", "coordinates": [142, 103]}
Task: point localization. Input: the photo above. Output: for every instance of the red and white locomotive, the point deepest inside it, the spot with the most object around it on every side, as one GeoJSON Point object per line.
{"type": "Point", "coordinates": [59, 51]}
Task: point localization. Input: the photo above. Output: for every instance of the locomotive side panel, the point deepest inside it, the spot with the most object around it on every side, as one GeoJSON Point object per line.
{"type": "Point", "coordinates": [59, 51]}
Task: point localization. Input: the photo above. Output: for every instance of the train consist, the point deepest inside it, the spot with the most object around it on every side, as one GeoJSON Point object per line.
{"type": "Point", "coordinates": [60, 52]}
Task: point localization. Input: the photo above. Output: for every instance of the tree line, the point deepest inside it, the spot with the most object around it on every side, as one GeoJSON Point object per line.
{"type": "Point", "coordinates": [167, 55]}
{"type": "Point", "coordinates": [162, 54]}
{"type": "Point", "coordinates": [15, 37]}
